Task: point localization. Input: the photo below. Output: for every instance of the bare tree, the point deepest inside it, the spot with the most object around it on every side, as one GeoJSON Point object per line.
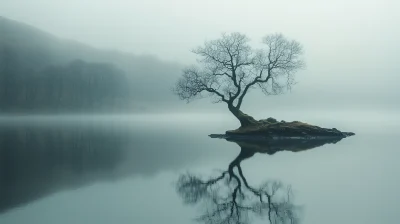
{"type": "Point", "coordinates": [229, 68]}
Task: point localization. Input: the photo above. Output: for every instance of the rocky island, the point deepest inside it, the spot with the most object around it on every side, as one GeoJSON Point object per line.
{"type": "Point", "coordinates": [270, 136]}
{"type": "Point", "coordinates": [271, 129]}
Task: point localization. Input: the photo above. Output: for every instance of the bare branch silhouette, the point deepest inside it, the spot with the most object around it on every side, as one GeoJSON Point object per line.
{"type": "Point", "coordinates": [229, 68]}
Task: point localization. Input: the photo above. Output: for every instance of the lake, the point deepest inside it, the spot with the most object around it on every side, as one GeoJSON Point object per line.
{"type": "Point", "coordinates": [165, 169]}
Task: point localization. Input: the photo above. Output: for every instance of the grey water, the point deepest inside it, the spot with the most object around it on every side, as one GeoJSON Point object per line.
{"type": "Point", "coordinates": [130, 170]}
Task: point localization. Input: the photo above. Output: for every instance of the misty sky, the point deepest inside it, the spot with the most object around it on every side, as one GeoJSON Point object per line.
{"type": "Point", "coordinates": [351, 47]}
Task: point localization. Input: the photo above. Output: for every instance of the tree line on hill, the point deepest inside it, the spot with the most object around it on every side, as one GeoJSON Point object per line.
{"type": "Point", "coordinates": [78, 86]}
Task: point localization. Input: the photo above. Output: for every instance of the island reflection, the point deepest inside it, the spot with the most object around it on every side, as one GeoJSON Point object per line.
{"type": "Point", "coordinates": [230, 198]}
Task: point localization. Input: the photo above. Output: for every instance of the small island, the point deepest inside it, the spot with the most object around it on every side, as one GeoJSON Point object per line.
{"type": "Point", "coordinates": [271, 129]}
{"type": "Point", "coordinates": [229, 68]}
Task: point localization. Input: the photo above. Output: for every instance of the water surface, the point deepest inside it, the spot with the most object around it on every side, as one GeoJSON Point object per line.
{"type": "Point", "coordinates": [133, 170]}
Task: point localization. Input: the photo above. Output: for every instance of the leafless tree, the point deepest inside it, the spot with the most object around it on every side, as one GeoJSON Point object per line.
{"type": "Point", "coordinates": [229, 68]}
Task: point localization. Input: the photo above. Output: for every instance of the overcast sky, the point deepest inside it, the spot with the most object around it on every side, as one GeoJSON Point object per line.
{"type": "Point", "coordinates": [351, 46]}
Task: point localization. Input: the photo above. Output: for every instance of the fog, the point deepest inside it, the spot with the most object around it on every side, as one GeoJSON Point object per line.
{"type": "Point", "coordinates": [92, 132]}
{"type": "Point", "coordinates": [350, 47]}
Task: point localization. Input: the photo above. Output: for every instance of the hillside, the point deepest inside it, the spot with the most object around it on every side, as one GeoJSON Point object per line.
{"type": "Point", "coordinates": [29, 55]}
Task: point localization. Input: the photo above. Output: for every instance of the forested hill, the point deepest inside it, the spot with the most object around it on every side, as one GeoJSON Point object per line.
{"type": "Point", "coordinates": [40, 72]}
{"type": "Point", "coordinates": [75, 87]}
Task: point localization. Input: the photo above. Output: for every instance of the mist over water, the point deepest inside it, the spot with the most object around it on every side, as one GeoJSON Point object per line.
{"type": "Point", "coordinates": [93, 128]}
{"type": "Point", "coordinates": [351, 59]}
{"type": "Point", "coordinates": [123, 169]}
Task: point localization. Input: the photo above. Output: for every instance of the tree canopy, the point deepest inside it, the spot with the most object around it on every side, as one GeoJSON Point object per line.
{"type": "Point", "coordinates": [229, 67]}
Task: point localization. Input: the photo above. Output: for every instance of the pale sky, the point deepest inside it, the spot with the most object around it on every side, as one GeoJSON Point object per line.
{"type": "Point", "coordinates": [351, 46]}
{"type": "Point", "coordinates": [169, 29]}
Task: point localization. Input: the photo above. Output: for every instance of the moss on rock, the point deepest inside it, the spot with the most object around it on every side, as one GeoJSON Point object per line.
{"type": "Point", "coordinates": [272, 128]}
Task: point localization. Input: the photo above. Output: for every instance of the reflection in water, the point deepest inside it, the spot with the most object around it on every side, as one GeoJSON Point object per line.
{"type": "Point", "coordinates": [36, 161]}
{"type": "Point", "coordinates": [230, 198]}
{"type": "Point", "coordinates": [43, 156]}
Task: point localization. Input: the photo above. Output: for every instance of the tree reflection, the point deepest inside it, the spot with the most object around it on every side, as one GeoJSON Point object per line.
{"type": "Point", "coordinates": [229, 198]}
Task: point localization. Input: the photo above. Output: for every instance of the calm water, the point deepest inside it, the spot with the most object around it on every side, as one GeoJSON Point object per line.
{"type": "Point", "coordinates": [135, 170]}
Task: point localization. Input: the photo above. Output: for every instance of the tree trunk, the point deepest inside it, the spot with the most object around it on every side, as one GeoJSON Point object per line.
{"type": "Point", "coordinates": [244, 119]}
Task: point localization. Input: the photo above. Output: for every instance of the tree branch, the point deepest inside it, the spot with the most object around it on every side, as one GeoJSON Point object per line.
{"type": "Point", "coordinates": [230, 68]}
